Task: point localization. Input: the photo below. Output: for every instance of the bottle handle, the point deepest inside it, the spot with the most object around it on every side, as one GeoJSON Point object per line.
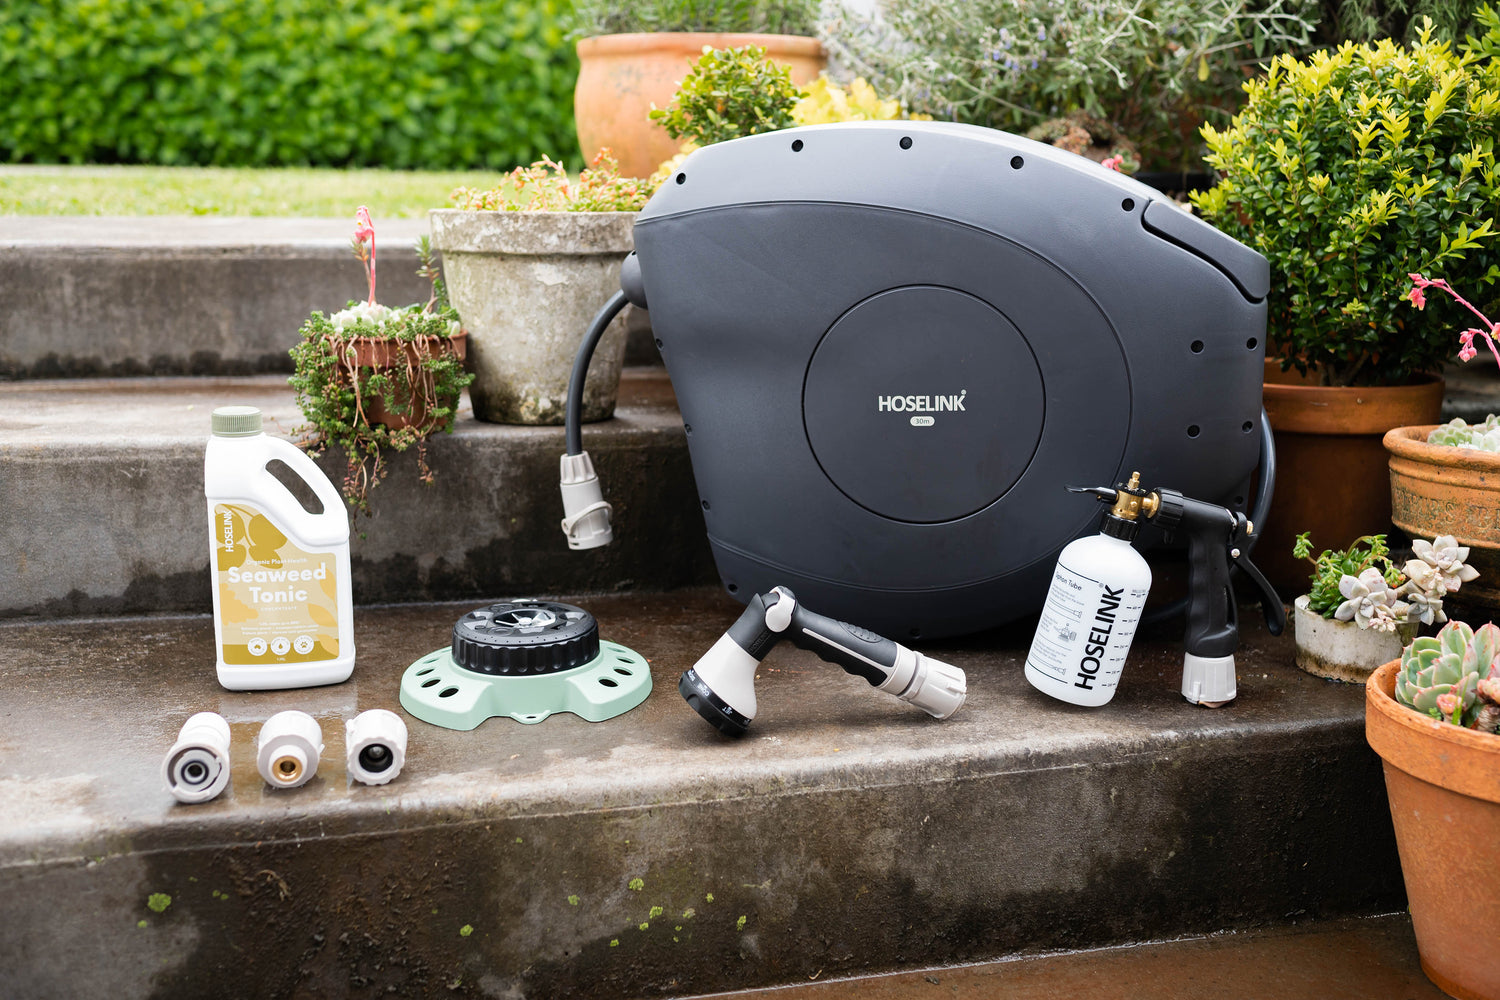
{"type": "Point", "coordinates": [307, 470]}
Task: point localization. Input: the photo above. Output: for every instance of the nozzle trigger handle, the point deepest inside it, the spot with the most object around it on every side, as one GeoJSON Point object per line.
{"type": "Point", "coordinates": [858, 651]}
{"type": "Point", "coordinates": [1270, 601]}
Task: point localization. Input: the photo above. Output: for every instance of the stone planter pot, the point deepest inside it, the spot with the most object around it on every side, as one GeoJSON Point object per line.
{"type": "Point", "coordinates": [526, 285]}
{"type": "Point", "coordinates": [1440, 490]}
{"type": "Point", "coordinates": [1444, 786]}
{"type": "Point", "coordinates": [621, 76]}
{"type": "Point", "coordinates": [390, 355]}
{"type": "Point", "coordinates": [1328, 444]}
{"type": "Point", "coordinates": [1339, 650]}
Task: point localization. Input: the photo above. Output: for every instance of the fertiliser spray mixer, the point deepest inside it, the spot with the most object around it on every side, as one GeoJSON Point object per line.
{"type": "Point", "coordinates": [1099, 590]}
{"type": "Point", "coordinates": [721, 685]}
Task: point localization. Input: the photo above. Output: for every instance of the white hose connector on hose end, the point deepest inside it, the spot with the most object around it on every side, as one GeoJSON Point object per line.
{"type": "Point", "coordinates": [585, 513]}
{"type": "Point", "coordinates": [939, 688]}
{"type": "Point", "coordinates": [375, 742]}
{"type": "Point", "coordinates": [197, 767]}
{"type": "Point", "coordinates": [288, 748]}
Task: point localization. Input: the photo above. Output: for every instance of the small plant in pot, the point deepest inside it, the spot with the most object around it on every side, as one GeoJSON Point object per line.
{"type": "Point", "coordinates": [1361, 608]}
{"type": "Point", "coordinates": [1432, 716]}
{"type": "Point", "coordinates": [1349, 170]}
{"type": "Point", "coordinates": [371, 377]}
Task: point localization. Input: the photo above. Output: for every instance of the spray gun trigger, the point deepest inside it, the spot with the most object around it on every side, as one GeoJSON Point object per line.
{"type": "Point", "coordinates": [1270, 601]}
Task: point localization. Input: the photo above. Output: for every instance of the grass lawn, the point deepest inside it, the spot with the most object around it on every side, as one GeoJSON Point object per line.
{"type": "Point", "coordinates": [287, 191]}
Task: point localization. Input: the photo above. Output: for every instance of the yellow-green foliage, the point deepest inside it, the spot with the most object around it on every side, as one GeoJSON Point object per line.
{"type": "Point", "coordinates": [1349, 171]}
{"type": "Point", "coordinates": [823, 102]}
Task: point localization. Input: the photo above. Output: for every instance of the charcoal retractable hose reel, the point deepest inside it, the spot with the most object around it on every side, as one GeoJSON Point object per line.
{"type": "Point", "coordinates": [525, 659]}
{"type": "Point", "coordinates": [893, 342]}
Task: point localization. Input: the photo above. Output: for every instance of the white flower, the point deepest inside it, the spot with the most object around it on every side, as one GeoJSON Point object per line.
{"type": "Point", "coordinates": [1445, 555]}
{"type": "Point", "coordinates": [1368, 601]}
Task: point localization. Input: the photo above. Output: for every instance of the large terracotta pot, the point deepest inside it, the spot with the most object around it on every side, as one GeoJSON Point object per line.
{"type": "Point", "coordinates": [1331, 477]}
{"type": "Point", "coordinates": [389, 355]}
{"type": "Point", "coordinates": [1440, 490]}
{"type": "Point", "coordinates": [527, 285]}
{"type": "Point", "coordinates": [1444, 786]}
{"type": "Point", "coordinates": [620, 77]}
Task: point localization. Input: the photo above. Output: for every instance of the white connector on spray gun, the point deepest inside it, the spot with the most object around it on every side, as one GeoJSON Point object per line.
{"type": "Point", "coordinates": [375, 741]}
{"type": "Point", "coordinates": [288, 748]}
{"type": "Point", "coordinates": [196, 769]}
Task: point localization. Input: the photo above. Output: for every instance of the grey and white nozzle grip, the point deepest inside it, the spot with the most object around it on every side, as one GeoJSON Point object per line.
{"type": "Point", "coordinates": [585, 511]}
{"type": "Point", "coordinates": [937, 688]}
{"type": "Point", "coordinates": [196, 769]}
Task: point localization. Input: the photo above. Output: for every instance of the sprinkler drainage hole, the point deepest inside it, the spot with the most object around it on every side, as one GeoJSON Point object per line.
{"type": "Point", "coordinates": [906, 142]}
{"type": "Point", "coordinates": [622, 671]}
{"type": "Point", "coordinates": [431, 681]}
{"type": "Point", "coordinates": [1194, 430]}
{"type": "Point", "coordinates": [607, 682]}
{"type": "Point", "coordinates": [1128, 204]}
{"type": "Point", "coordinates": [426, 671]}
{"type": "Point", "coordinates": [682, 178]}
{"type": "Point", "coordinates": [1017, 163]}
{"type": "Point", "coordinates": [447, 692]}
{"type": "Point", "coordinates": [1196, 347]}
{"type": "Point", "coordinates": [796, 145]}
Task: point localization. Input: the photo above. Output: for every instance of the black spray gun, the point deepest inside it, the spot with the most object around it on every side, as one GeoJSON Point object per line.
{"type": "Point", "coordinates": [721, 685]}
{"type": "Point", "coordinates": [1099, 589]}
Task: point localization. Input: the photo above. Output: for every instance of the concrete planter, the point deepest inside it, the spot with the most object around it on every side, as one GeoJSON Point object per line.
{"type": "Point", "coordinates": [1341, 650]}
{"type": "Point", "coordinates": [526, 285]}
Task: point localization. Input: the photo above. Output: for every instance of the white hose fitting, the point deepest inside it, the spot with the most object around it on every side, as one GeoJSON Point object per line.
{"type": "Point", "coordinates": [287, 749]}
{"type": "Point", "coordinates": [375, 741]}
{"type": "Point", "coordinates": [585, 513]}
{"type": "Point", "coordinates": [197, 767]}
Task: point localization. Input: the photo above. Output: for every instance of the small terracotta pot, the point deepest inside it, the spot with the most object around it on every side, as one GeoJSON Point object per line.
{"type": "Point", "coordinates": [1330, 464]}
{"type": "Point", "coordinates": [1444, 787]}
{"type": "Point", "coordinates": [386, 354]}
{"type": "Point", "coordinates": [1342, 651]}
{"type": "Point", "coordinates": [620, 77]}
{"type": "Point", "coordinates": [1440, 490]}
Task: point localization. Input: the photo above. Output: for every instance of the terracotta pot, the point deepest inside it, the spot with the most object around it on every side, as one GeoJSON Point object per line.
{"type": "Point", "coordinates": [1342, 651]}
{"type": "Point", "coordinates": [527, 285]}
{"type": "Point", "coordinates": [1331, 477]}
{"type": "Point", "coordinates": [620, 77]}
{"type": "Point", "coordinates": [1444, 787]}
{"type": "Point", "coordinates": [1440, 490]}
{"type": "Point", "coordinates": [384, 354]}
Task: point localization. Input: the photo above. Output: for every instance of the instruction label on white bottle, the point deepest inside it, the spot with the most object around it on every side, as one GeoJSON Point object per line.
{"type": "Point", "coordinates": [277, 602]}
{"type": "Point", "coordinates": [1085, 630]}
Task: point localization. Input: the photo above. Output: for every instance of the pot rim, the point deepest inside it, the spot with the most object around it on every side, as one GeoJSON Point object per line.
{"type": "Point", "coordinates": [1459, 760]}
{"type": "Point", "coordinates": [691, 42]}
{"type": "Point", "coordinates": [1410, 442]}
{"type": "Point", "coordinates": [1350, 410]}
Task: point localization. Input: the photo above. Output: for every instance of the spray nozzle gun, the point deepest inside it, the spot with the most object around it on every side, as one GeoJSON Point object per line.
{"type": "Point", "coordinates": [721, 685]}
{"type": "Point", "coordinates": [1218, 539]}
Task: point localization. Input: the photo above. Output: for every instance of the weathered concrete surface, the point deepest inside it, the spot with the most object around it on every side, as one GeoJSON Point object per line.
{"type": "Point", "coordinates": [101, 483]}
{"type": "Point", "coordinates": [1351, 959]}
{"type": "Point", "coordinates": [846, 834]}
{"type": "Point", "coordinates": [164, 295]}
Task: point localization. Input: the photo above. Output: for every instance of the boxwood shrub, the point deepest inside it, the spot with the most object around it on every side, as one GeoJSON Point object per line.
{"type": "Point", "coordinates": [393, 83]}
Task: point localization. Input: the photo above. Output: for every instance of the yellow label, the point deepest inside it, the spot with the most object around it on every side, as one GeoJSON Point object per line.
{"type": "Point", "coordinates": [277, 603]}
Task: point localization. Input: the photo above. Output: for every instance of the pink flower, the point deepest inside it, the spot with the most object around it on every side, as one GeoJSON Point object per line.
{"type": "Point", "coordinates": [1112, 162]}
{"type": "Point", "coordinates": [1418, 299]}
{"type": "Point", "coordinates": [364, 231]}
{"type": "Point", "coordinates": [1447, 704]}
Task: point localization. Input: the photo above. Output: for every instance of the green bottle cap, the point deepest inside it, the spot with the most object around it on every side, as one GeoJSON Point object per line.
{"type": "Point", "coordinates": [235, 421]}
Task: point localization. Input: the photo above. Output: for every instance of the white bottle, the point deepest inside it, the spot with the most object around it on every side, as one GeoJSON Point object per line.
{"type": "Point", "coordinates": [1093, 607]}
{"type": "Point", "coordinates": [283, 606]}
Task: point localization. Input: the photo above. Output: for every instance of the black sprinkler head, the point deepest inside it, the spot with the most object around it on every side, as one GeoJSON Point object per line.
{"type": "Point", "coordinates": [709, 705]}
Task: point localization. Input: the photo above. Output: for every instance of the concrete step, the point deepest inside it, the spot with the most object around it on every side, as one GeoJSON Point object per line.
{"type": "Point", "coordinates": [90, 296]}
{"type": "Point", "coordinates": [101, 482]}
{"type": "Point", "coordinates": [847, 834]}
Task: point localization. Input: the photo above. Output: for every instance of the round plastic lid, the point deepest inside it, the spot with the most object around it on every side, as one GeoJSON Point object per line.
{"type": "Point", "coordinates": [235, 421]}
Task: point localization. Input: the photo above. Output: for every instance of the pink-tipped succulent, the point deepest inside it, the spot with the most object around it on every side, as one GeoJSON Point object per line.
{"type": "Point", "coordinates": [1440, 675]}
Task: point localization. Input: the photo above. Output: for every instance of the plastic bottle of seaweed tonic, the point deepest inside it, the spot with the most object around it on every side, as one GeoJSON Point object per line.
{"type": "Point", "coordinates": [283, 607]}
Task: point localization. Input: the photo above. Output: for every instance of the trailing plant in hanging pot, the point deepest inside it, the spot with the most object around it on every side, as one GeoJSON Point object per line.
{"type": "Point", "coordinates": [371, 377]}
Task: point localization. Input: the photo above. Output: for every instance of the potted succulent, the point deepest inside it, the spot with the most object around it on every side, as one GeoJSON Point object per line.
{"type": "Point", "coordinates": [1432, 717]}
{"type": "Point", "coordinates": [1450, 474]}
{"type": "Point", "coordinates": [1348, 171]}
{"type": "Point", "coordinates": [1361, 609]}
{"type": "Point", "coordinates": [632, 56]}
{"type": "Point", "coordinates": [371, 377]}
{"type": "Point", "coordinates": [528, 263]}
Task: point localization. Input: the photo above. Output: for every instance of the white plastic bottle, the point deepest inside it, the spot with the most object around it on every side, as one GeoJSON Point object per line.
{"type": "Point", "coordinates": [283, 606]}
{"type": "Point", "coordinates": [1093, 607]}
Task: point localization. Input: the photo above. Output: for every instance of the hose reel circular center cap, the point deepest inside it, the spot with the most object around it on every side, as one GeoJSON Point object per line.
{"type": "Point", "coordinates": [923, 404]}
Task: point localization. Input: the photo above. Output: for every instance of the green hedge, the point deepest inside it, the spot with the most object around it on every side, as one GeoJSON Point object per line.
{"type": "Point", "coordinates": [401, 83]}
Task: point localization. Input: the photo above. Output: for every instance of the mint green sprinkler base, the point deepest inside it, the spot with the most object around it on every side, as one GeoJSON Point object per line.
{"type": "Point", "coordinates": [435, 689]}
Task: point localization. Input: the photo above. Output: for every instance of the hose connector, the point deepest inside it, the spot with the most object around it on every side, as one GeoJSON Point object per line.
{"type": "Point", "coordinates": [585, 511]}
{"type": "Point", "coordinates": [938, 688]}
{"type": "Point", "coordinates": [197, 767]}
